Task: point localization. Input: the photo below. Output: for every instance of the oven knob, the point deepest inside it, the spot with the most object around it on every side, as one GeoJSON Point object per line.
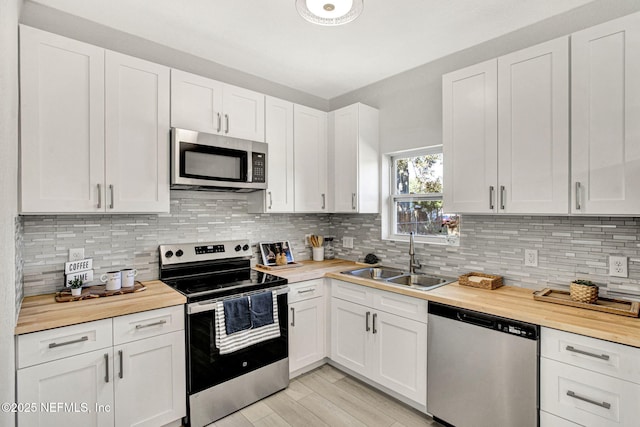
{"type": "Point", "coordinates": [245, 248]}
{"type": "Point", "coordinates": [168, 254]}
{"type": "Point", "coordinates": [179, 252]}
{"type": "Point", "coordinates": [238, 248]}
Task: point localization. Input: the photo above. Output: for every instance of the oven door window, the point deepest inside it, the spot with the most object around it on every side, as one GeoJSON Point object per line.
{"type": "Point", "coordinates": [212, 163]}
{"type": "Point", "coordinates": [207, 367]}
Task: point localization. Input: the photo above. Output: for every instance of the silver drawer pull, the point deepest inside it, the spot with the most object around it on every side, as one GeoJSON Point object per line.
{"type": "Point", "coordinates": [586, 353]}
{"type": "Point", "coordinates": [55, 344]}
{"type": "Point", "coordinates": [106, 367]}
{"type": "Point", "coordinates": [604, 405]}
{"type": "Point", "coordinates": [306, 290]}
{"type": "Point", "coordinates": [158, 323]}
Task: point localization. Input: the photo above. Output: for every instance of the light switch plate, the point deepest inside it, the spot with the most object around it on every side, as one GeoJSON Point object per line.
{"type": "Point", "coordinates": [618, 266]}
{"type": "Point", "coordinates": [76, 254]}
{"type": "Point", "coordinates": [531, 257]}
{"type": "Point", "coordinates": [347, 242]}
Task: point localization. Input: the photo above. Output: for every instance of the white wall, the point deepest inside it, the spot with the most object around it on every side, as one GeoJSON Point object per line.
{"type": "Point", "coordinates": [410, 103]}
{"type": "Point", "coordinates": [9, 10]}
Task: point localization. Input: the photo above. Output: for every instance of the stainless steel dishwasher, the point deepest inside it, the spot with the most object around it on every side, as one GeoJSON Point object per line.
{"type": "Point", "coordinates": [482, 370]}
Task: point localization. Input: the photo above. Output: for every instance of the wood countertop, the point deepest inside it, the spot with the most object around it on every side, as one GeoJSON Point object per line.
{"type": "Point", "coordinates": [508, 301]}
{"type": "Point", "coordinates": [42, 312]}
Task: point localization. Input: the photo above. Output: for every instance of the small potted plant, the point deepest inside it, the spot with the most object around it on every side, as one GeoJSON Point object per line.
{"type": "Point", "coordinates": [584, 291]}
{"type": "Point", "coordinates": [76, 286]}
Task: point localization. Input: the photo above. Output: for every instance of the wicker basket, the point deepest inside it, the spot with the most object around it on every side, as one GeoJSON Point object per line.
{"type": "Point", "coordinates": [583, 293]}
{"type": "Point", "coordinates": [480, 280]}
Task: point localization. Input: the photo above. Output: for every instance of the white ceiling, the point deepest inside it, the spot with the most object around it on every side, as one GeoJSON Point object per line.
{"type": "Point", "coordinates": [267, 38]}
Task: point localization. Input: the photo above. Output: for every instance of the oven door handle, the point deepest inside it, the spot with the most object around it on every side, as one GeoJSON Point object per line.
{"type": "Point", "coordinates": [210, 305]}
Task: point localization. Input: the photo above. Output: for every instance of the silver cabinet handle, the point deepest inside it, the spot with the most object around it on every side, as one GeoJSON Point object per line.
{"type": "Point", "coordinates": [158, 323]}
{"type": "Point", "coordinates": [502, 197]}
{"type": "Point", "coordinates": [578, 191]}
{"type": "Point", "coordinates": [375, 316]}
{"type": "Point", "coordinates": [604, 405]}
{"type": "Point", "coordinates": [111, 191]}
{"type": "Point", "coordinates": [367, 328]}
{"type": "Point", "coordinates": [306, 290]}
{"type": "Point", "coordinates": [293, 316]}
{"type": "Point", "coordinates": [120, 375]}
{"type": "Point", "coordinates": [55, 344]}
{"type": "Point", "coordinates": [99, 197]}
{"type": "Point", "coordinates": [491, 189]}
{"type": "Point", "coordinates": [106, 364]}
{"type": "Point", "coordinates": [323, 200]}
{"type": "Point", "coordinates": [586, 353]}
{"type": "Point", "coordinates": [270, 200]}
{"type": "Point", "coordinates": [226, 120]}
{"type": "Point", "coordinates": [353, 201]}
{"type": "Point", "coordinates": [219, 122]}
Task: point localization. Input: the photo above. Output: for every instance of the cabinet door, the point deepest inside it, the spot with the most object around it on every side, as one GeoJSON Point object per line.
{"type": "Point", "coordinates": [605, 130]}
{"type": "Point", "coordinates": [350, 335]}
{"type": "Point", "coordinates": [470, 141]}
{"type": "Point", "coordinates": [400, 355]}
{"type": "Point", "coordinates": [533, 130]}
{"type": "Point", "coordinates": [279, 136]}
{"type": "Point", "coordinates": [150, 384]}
{"type": "Point", "coordinates": [137, 135]}
{"type": "Point", "coordinates": [62, 124]}
{"type": "Point", "coordinates": [82, 384]}
{"type": "Point", "coordinates": [344, 128]}
{"type": "Point", "coordinates": [310, 159]}
{"type": "Point", "coordinates": [196, 102]}
{"type": "Point", "coordinates": [306, 333]}
{"type": "Point", "coordinates": [243, 113]}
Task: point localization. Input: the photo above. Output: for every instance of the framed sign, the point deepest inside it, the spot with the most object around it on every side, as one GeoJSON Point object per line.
{"type": "Point", "coordinates": [271, 250]}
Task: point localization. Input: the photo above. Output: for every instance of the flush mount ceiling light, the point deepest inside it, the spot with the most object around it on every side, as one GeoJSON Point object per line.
{"type": "Point", "coordinates": [330, 12]}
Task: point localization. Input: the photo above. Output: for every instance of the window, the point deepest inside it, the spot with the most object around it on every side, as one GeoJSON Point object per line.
{"type": "Point", "coordinates": [416, 197]}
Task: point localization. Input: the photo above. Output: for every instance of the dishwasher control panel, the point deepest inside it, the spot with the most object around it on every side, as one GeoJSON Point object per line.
{"type": "Point", "coordinates": [516, 330]}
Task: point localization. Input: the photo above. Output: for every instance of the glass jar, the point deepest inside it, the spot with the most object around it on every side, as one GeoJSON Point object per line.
{"type": "Point", "coordinates": [329, 251]}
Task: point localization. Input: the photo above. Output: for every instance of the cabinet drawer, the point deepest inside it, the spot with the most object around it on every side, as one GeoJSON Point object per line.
{"type": "Point", "coordinates": [401, 305]}
{"type": "Point", "coordinates": [352, 292]}
{"type": "Point", "coordinates": [609, 358]}
{"type": "Point", "coordinates": [587, 397]}
{"type": "Point", "coordinates": [550, 420]}
{"type": "Point", "coordinates": [53, 344]}
{"type": "Point", "coordinates": [306, 290]}
{"type": "Point", "coordinates": [147, 324]}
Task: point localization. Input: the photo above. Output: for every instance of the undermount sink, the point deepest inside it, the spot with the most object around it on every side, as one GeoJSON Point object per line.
{"type": "Point", "coordinates": [393, 276]}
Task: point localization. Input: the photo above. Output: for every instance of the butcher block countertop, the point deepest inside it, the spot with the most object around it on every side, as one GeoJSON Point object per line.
{"type": "Point", "coordinates": [42, 312]}
{"type": "Point", "coordinates": [508, 301]}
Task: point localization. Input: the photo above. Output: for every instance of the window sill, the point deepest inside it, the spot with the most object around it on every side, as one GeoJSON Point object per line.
{"type": "Point", "coordinates": [438, 241]}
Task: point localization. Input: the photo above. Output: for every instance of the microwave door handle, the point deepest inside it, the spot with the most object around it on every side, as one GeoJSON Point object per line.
{"type": "Point", "coordinates": [249, 166]}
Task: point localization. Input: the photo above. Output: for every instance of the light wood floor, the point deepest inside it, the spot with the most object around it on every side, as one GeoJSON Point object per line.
{"type": "Point", "coordinates": [327, 397]}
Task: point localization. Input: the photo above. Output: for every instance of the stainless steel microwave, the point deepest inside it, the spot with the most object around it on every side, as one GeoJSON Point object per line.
{"type": "Point", "coordinates": [202, 161]}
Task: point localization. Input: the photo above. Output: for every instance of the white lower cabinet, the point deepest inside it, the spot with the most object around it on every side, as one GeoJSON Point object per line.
{"type": "Point", "coordinates": [587, 381]}
{"type": "Point", "coordinates": [139, 382]}
{"type": "Point", "coordinates": [306, 325]}
{"type": "Point", "coordinates": [386, 348]}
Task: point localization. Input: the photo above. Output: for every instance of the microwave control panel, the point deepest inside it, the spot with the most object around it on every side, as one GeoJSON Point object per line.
{"type": "Point", "coordinates": [258, 163]}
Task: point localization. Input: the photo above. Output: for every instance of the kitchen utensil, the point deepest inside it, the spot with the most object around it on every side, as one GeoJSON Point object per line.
{"type": "Point", "coordinates": [112, 279]}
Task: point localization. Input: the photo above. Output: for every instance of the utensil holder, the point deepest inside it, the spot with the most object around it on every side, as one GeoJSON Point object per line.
{"type": "Point", "coordinates": [318, 253]}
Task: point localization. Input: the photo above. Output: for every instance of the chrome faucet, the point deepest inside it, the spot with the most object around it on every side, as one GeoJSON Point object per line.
{"type": "Point", "coordinates": [412, 256]}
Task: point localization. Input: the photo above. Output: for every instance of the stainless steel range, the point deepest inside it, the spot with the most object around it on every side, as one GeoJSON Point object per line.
{"type": "Point", "coordinates": [219, 383]}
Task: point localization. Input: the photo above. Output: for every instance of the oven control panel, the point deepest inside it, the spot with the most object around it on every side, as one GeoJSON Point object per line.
{"type": "Point", "coordinates": [181, 253]}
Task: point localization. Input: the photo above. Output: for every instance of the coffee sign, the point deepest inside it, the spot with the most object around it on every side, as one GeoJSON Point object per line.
{"type": "Point", "coordinates": [78, 266]}
{"type": "Point", "coordinates": [86, 276]}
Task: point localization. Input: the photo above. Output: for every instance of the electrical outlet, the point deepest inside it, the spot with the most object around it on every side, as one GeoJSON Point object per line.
{"type": "Point", "coordinates": [347, 242]}
{"type": "Point", "coordinates": [618, 266]}
{"type": "Point", "coordinates": [531, 257]}
{"type": "Point", "coordinates": [76, 254]}
{"type": "Point", "coordinates": [307, 243]}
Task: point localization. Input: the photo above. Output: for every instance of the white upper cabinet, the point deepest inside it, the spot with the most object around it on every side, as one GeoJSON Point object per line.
{"type": "Point", "coordinates": [62, 124]}
{"type": "Point", "coordinates": [470, 142]}
{"type": "Point", "coordinates": [505, 133]}
{"type": "Point", "coordinates": [136, 134]}
{"type": "Point", "coordinates": [533, 129]}
{"type": "Point", "coordinates": [94, 128]}
{"type": "Point", "coordinates": [310, 159]}
{"type": "Point", "coordinates": [354, 166]}
{"type": "Point", "coordinates": [605, 131]}
{"type": "Point", "coordinates": [206, 105]}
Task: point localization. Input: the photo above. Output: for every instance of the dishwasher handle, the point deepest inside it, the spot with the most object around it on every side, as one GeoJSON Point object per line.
{"type": "Point", "coordinates": [467, 318]}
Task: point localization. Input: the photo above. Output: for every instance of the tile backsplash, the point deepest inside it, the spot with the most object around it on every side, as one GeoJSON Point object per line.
{"type": "Point", "coordinates": [568, 247]}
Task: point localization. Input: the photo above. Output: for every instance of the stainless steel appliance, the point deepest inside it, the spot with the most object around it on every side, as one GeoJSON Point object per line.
{"type": "Point", "coordinates": [219, 384]}
{"type": "Point", "coordinates": [201, 161]}
{"type": "Point", "coordinates": [482, 369]}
